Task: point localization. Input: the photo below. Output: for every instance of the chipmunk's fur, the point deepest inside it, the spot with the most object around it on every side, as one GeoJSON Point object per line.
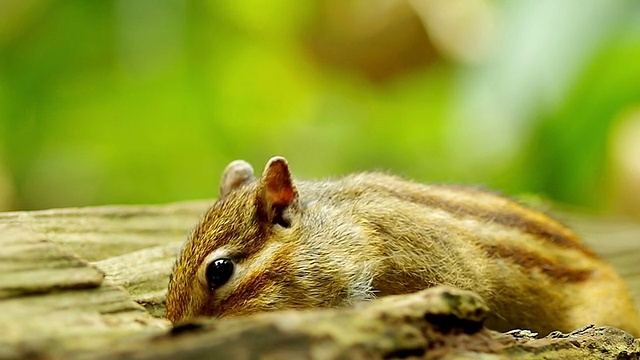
{"type": "Point", "coordinates": [300, 244]}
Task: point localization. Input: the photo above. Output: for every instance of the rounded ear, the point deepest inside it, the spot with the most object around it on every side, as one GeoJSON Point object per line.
{"type": "Point", "coordinates": [236, 174]}
{"type": "Point", "coordinates": [275, 189]}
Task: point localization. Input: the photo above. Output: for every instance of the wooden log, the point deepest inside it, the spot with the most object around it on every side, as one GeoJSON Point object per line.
{"type": "Point", "coordinates": [436, 323]}
{"type": "Point", "coordinates": [135, 246]}
{"type": "Point", "coordinates": [29, 264]}
{"type": "Point", "coordinates": [68, 277]}
{"type": "Point", "coordinates": [145, 273]}
{"type": "Point", "coordinates": [52, 301]}
{"type": "Point", "coordinates": [99, 233]}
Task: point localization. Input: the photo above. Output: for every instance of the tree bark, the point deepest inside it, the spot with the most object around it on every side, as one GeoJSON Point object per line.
{"type": "Point", "coordinates": [72, 282]}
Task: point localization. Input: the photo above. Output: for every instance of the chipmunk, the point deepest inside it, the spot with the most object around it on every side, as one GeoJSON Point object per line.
{"type": "Point", "coordinates": [275, 243]}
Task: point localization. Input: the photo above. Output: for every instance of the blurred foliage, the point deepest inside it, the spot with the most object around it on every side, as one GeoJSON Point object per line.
{"type": "Point", "coordinates": [146, 101]}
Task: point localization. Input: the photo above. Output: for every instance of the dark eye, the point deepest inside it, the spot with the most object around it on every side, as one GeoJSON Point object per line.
{"type": "Point", "coordinates": [218, 273]}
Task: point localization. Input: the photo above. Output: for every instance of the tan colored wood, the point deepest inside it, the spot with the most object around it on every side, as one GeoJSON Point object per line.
{"type": "Point", "coordinates": [68, 278]}
{"type": "Point", "coordinates": [51, 300]}
{"type": "Point", "coordinates": [29, 264]}
{"type": "Point", "coordinates": [145, 273]}
{"type": "Point", "coordinates": [99, 233]}
{"type": "Point", "coordinates": [438, 323]}
{"type": "Point", "coordinates": [134, 245]}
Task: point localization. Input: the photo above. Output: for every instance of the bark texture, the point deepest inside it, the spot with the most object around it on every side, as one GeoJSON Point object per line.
{"type": "Point", "coordinates": [91, 282]}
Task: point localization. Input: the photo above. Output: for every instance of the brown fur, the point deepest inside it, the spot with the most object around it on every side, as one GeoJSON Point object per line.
{"type": "Point", "coordinates": [532, 262]}
{"type": "Point", "coordinates": [299, 244]}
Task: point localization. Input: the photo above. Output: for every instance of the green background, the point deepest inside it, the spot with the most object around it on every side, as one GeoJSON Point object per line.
{"type": "Point", "coordinates": [146, 101]}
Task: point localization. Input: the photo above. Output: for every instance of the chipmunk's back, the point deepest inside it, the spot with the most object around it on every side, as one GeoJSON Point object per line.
{"type": "Point", "coordinates": [279, 243]}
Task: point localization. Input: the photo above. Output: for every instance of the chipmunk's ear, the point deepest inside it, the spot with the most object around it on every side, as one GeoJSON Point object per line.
{"type": "Point", "coordinates": [236, 174]}
{"type": "Point", "coordinates": [275, 190]}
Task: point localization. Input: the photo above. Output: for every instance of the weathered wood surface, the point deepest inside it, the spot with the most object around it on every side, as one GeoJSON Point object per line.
{"type": "Point", "coordinates": [51, 300]}
{"type": "Point", "coordinates": [99, 233]}
{"type": "Point", "coordinates": [29, 264]}
{"type": "Point", "coordinates": [433, 324]}
{"type": "Point", "coordinates": [59, 302]}
{"type": "Point", "coordinates": [135, 246]}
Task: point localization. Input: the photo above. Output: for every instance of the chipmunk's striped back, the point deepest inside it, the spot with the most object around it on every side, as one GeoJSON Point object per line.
{"type": "Point", "coordinates": [330, 243]}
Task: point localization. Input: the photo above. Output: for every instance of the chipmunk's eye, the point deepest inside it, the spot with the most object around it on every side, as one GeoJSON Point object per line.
{"type": "Point", "coordinates": [218, 273]}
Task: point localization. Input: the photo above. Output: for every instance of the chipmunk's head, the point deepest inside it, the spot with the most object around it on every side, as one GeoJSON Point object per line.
{"type": "Point", "coordinates": [238, 259]}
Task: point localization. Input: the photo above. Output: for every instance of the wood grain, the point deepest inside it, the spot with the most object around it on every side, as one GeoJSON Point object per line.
{"type": "Point", "coordinates": [51, 300]}
{"type": "Point", "coordinates": [29, 264]}
{"type": "Point", "coordinates": [72, 280]}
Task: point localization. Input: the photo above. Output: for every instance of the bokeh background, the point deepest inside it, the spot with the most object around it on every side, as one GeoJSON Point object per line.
{"type": "Point", "coordinates": [146, 101]}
